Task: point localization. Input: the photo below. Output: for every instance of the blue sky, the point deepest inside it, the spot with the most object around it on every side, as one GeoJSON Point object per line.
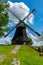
{"type": "Point", "coordinates": [38, 19]}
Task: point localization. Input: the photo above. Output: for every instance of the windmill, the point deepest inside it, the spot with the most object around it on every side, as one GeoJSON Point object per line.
{"type": "Point", "coordinates": [20, 34]}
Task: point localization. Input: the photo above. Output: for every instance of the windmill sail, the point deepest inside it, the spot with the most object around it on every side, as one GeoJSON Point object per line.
{"type": "Point", "coordinates": [21, 21]}
{"type": "Point", "coordinates": [32, 29]}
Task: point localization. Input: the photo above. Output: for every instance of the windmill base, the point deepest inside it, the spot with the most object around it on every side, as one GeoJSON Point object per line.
{"type": "Point", "coordinates": [19, 42]}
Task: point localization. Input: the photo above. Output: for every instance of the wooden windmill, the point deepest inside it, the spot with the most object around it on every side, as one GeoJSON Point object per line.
{"type": "Point", "coordinates": [20, 35]}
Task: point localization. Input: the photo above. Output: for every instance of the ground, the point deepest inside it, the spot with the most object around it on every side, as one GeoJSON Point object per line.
{"type": "Point", "coordinates": [26, 55]}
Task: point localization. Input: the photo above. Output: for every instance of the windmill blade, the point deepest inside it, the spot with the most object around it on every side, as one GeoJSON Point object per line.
{"type": "Point", "coordinates": [32, 29]}
{"type": "Point", "coordinates": [29, 14]}
{"type": "Point", "coordinates": [12, 30]}
{"type": "Point", "coordinates": [9, 32]}
{"type": "Point", "coordinates": [29, 26]}
{"type": "Point", "coordinates": [24, 19]}
{"type": "Point", "coordinates": [10, 10]}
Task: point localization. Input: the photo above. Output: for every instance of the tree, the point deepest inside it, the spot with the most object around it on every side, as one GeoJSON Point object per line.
{"type": "Point", "coordinates": [30, 41]}
{"type": "Point", "coordinates": [3, 18]}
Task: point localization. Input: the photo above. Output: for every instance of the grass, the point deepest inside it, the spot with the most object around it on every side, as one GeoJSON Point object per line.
{"type": "Point", "coordinates": [6, 49]}
{"type": "Point", "coordinates": [26, 55]}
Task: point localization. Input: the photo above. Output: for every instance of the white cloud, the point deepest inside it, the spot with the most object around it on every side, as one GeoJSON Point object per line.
{"type": "Point", "coordinates": [10, 3]}
{"type": "Point", "coordinates": [36, 41]}
{"type": "Point", "coordinates": [30, 19]}
{"type": "Point", "coordinates": [5, 41]}
{"type": "Point", "coordinates": [40, 43]}
{"type": "Point", "coordinates": [27, 30]}
{"type": "Point", "coordinates": [21, 10]}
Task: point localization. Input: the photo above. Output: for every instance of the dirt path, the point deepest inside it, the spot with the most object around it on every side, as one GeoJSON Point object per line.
{"type": "Point", "coordinates": [2, 57]}
{"type": "Point", "coordinates": [15, 61]}
{"type": "Point", "coordinates": [15, 50]}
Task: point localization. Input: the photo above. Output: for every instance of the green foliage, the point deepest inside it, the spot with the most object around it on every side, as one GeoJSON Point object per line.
{"type": "Point", "coordinates": [30, 41]}
{"type": "Point", "coordinates": [3, 17]}
{"type": "Point", "coordinates": [40, 49]}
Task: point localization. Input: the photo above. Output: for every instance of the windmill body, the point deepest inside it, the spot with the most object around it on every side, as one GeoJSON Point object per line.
{"type": "Point", "coordinates": [20, 36]}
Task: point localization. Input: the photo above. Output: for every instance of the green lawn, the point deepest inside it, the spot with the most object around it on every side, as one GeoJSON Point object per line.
{"type": "Point", "coordinates": [26, 55]}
